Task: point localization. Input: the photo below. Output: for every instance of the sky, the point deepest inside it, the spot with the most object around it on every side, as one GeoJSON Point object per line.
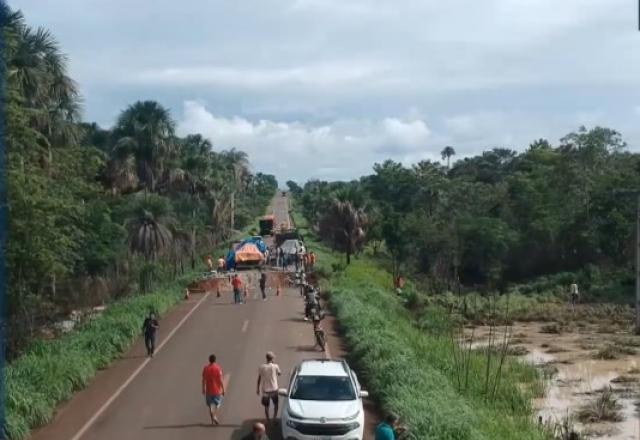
{"type": "Point", "coordinates": [326, 88]}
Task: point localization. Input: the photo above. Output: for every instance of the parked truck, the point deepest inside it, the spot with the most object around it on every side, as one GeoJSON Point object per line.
{"type": "Point", "coordinates": [266, 224]}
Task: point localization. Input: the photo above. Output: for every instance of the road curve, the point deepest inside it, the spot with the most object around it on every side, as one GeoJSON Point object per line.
{"type": "Point", "coordinates": [161, 398]}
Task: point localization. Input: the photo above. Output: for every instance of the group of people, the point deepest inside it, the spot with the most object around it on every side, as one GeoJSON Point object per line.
{"type": "Point", "coordinates": [300, 259]}
{"type": "Point", "coordinates": [267, 388]}
{"type": "Point", "coordinates": [237, 285]}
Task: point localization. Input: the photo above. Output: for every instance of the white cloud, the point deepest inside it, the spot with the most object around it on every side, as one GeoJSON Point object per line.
{"type": "Point", "coordinates": [336, 85]}
{"type": "Point", "coordinates": [299, 150]}
{"type": "Point", "coordinates": [319, 75]}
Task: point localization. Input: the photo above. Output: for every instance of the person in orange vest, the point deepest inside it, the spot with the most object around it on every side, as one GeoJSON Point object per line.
{"type": "Point", "coordinates": [312, 259]}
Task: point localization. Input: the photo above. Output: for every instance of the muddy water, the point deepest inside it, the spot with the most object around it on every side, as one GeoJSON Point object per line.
{"type": "Point", "coordinates": [580, 377]}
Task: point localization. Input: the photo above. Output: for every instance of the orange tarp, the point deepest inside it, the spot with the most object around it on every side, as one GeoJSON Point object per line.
{"type": "Point", "coordinates": [248, 253]}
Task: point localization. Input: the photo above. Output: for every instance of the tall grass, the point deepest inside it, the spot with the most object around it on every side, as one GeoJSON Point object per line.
{"type": "Point", "coordinates": [413, 369]}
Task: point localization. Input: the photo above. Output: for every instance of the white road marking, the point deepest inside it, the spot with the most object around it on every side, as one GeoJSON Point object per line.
{"type": "Point", "coordinates": [245, 325]}
{"type": "Point", "coordinates": [119, 391]}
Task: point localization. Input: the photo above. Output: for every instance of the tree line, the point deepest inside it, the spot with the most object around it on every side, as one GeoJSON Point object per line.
{"type": "Point", "coordinates": [496, 218]}
{"type": "Point", "coordinates": [95, 213]}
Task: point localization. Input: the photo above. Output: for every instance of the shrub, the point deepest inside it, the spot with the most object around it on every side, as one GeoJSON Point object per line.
{"type": "Point", "coordinates": [411, 371]}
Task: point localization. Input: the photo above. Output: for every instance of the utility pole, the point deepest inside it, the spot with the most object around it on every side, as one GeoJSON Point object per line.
{"type": "Point", "coordinates": [233, 210]}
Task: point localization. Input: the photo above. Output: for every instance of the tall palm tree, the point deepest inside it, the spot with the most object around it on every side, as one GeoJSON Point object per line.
{"type": "Point", "coordinates": [145, 131]}
{"type": "Point", "coordinates": [37, 79]}
{"type": "Point", "coordinates": [446, 153]}
{"type": "Point", "coordinates": [149, 232]}
{"type": "Point", "coordinates": [238, 161]}
{"type": "Point", "coordinates": [344, 223]}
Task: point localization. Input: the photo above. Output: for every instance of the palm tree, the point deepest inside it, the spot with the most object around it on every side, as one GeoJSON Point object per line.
{"type": "Point", "coordinates": [446, 153]}
{"type": "Point", "coordinates": [238, 161]}
{"type": "Point", "coordinates": [344, 223]}
{"type": "Point", "coordinates": [37, 79]}
{"type": "Point", "coordinates": [149, 233]}
{"type": "Point", "coordinates": [145, 131]}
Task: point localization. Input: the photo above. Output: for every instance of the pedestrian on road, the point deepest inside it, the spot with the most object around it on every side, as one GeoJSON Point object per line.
{"type": "Point", "coordinates": [209, 263]}
{"type": "Point", "coordinates": [212, 387]}
{"type": "Point", "coordinates": [263, 285]}
{"type": "Point", "coordinates": [149, 328]}
{"type": "Point", "coordinates": [390, 429]}
{"type": "Point", "coordinates": [268, 383]}
{"type": "Point", "coordinates": [237, 284]}
{"type": "Point", "coordinates": [221, 264]}
{"type": "Point", "coordinates": [257, 433]}
{"type": "Point", "coordinates": [575, 295]}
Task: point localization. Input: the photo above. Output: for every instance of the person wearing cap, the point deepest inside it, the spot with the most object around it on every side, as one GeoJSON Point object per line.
{"type": "Point", "coordinates": [268, 384]}
{"type": "Point", "coordinates": [258, 432]}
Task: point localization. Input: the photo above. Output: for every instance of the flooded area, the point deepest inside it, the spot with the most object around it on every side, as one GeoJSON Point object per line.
{"type": "Point", "coordinates": [592, 375]}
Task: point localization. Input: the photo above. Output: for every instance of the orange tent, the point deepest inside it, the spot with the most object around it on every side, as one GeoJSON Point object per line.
{"type": "Point", "coordinates": [249, 253]}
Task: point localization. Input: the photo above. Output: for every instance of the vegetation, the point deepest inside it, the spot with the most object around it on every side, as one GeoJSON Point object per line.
{"type": "Point", "coordinates": [49, 372]}
{"type": "Point", "coordinates": [536, 220]}
{"type": "Point", "coordinates": [605, 408]}
{"type": "Point", "coordinates": [97, 214]}
{"type": "Point", "coordinates": [416, 371]}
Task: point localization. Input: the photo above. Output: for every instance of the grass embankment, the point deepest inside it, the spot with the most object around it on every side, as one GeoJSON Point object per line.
{"type": "Point", "coordinates": [422, 374]}
{"type": "Point", "coordinates": [49, 372]}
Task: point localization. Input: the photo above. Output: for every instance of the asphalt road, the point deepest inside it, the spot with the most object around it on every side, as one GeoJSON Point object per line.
{"type": "Point", "coordinates": [160, 399]}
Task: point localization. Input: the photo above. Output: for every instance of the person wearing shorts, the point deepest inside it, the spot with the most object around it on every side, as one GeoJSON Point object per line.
{"type": "Point", "coordinates": [237, 284]}
{"type": "Point", "coordinates": [268, 384]}
{"type": "Point", "coordinates": [213, 387]}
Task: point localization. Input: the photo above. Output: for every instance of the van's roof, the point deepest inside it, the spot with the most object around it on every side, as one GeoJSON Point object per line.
{"type": "Point", "coordinates": [322, 368]}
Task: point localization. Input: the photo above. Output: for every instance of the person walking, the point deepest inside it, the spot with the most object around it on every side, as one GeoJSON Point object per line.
{"type": "Point", "coordinates": [268, 384]}
{"type": "Point", "coordinates": [237, 285]}
{"type": "Point", "coordinates": [149, 328]}
{"type": "Point", "coordinates": [312, 259]}
{"type": "Point", "coordinates": [263, 285]}
{"type": "Point", "coordinates": [575, 295]}
{"type": "Point", "coordinates": [213, 387]}
{"type": "Point", "coordinates": [258, 432]}
{"type": "Point", "coordinates": [221, 264]}
{"type": "Point", "coordinates": [209, 263]}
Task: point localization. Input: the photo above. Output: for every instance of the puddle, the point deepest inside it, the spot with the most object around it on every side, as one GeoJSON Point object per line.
{"type": "Point", "coordinates": [579, 377]}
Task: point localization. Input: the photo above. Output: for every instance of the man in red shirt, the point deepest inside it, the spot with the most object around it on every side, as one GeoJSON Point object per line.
{"type": "Point", "coordinates": [212, 387]}
{"type": "Point", "coordinates": [237, 284]}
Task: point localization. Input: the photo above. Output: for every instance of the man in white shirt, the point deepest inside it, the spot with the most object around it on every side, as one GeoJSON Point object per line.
{"type": "Point", "coordinates": [268, 384]}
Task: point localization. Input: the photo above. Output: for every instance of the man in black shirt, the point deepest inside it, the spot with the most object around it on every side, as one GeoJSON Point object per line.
{"type": "Point", "coordinates": [149, 330]}
{"type": "Point", "coordinates": [263, 285]}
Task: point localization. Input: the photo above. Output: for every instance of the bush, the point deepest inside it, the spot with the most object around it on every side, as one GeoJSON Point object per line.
{"type": "Point", "coordinates": [412, 372]}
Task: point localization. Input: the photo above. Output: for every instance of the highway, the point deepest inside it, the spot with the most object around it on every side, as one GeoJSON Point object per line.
{"type": "Point", "coordinates": [160, 398]}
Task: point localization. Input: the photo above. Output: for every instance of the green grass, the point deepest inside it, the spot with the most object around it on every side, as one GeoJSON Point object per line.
{"type": "Point", "coordinates": [411, 369]}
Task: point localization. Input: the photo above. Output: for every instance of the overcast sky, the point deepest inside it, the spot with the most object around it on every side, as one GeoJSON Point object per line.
{"type": "Point", "coordinates": [326, 88]}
